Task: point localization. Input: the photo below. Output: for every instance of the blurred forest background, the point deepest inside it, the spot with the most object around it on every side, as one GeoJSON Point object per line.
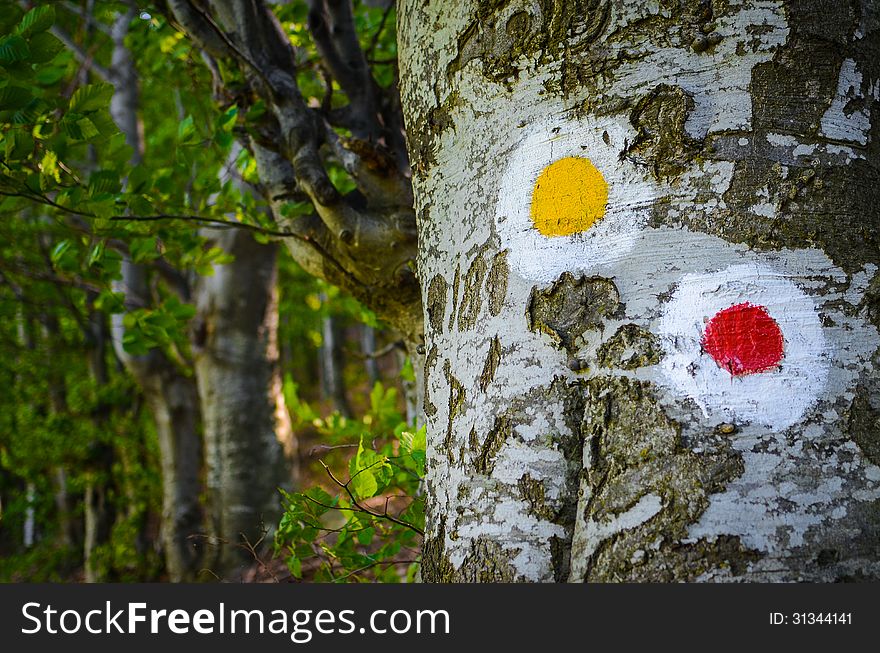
{"type": "Point", "coordinates": [180, 400]}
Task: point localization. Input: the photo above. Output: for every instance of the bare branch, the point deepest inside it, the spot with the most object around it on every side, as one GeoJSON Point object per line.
{"type": "Point", "coordinates": [81, 55]}
{"type": "Point", "coordinates": [85, 14]}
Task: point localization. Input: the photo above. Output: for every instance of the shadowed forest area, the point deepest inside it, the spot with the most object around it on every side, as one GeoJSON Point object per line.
{"type": "Point", "coordinates": [182, 401]}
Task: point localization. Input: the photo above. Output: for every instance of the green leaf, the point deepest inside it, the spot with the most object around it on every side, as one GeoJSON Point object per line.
{"type": "Point", "coordinates": [14, 97]}
{"type": "Point", "coordinates": [110, 302]}
{"type": "Point", "coordinates": [134, 343]}
{"type": "Point", "coordinates": [104, 123]}
{"type": "Point", "coordinates": [139, 179]}
{"type": "Point", "coordinates": [364, 484]}
{"type": "Point", "coordinates": [91, 97]}
{"type": "Point", "coordinates": [186, 130]}
{"type": "Point", "coordinates": [70, 125]}
{"type": "Point", "coordinates": [420, 440]}
{"type": "Point", "coordinates": [143, 250]}
{"type": "Point", "coordinates": [406, 441]}
{"type": "Point", "coordinates": [97, 254]}
{"type": "Point", "coordinates": [226, 120]}
{"type": "Point", "coordinates": [30, 113]}
{"type": "Point", "coordinates": [13, 48]}
{"type": "Point", "coordinates": [294, 564]}
{"type": "Point", "coordinates": [319, 496]}
{"type": "Point", "coordinates": [366, 536]}
{"type": "Point", "coordinates": [179, 310]}
{"type": "Point", "coordinates": [44, 47]}
{"type": "Point", "coordinates": [19, 145]}
{"type": "Point", "coordinates": [49, 75]}
{"type": "Point", "coordinates": [256, 111]}
{"type": "Point", "coordinates": [59, 250]}
{"type": "Point", "coordinates": [38, 19]}
{"type": "Point", "coordinates": [104, 181]}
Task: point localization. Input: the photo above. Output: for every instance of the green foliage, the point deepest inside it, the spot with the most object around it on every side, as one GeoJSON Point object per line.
{"type": "Point", "coordinates": [367, 524]}
{"type": "Point", "coordinates": [75, 199]}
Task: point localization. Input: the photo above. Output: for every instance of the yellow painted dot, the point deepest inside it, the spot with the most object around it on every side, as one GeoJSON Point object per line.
{"type": "Point", "coordinates": [569, 197]}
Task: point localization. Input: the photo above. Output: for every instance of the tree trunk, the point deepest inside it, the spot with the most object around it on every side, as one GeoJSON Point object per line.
{"type": "Point", "coordinates": [333, 385]}
{"type": "Point", "coordinates": [250, 448]}
{"type": "Point", "coordinates": [648, 254]}
{"type": "Point", "coordinates": [67, 527]}
{"type": "Point", "coordinates": [171, 396]}
{"type": "Point", "coordinates": [173, 401]}
{"type": "Point", "coordinates": [98, 509]}
{"type": "Point", "coordinates": [368, 349]}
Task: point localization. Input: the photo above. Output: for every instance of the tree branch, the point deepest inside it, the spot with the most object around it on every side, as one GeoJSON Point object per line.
{"type": "Point", "coordinates": [81, 55]}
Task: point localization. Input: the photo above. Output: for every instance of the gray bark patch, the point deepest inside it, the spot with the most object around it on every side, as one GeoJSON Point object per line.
{"type": "Point", "coordinates": [629, 348]}
{"type": "Point", "coordinates": [491, 364]}
{"type": "Point", "coordinates": [436, 304]}
{"type": "Point", "coordinates": [486, 562]}
{"type": "Point", "coordinates": [485, 460]}
{"type": "Point", "coordinates": [571, 307]}
{"type": "Point", "coordinates": [662, 144]}
{"type": "Point", "coordinates": [504, 31]}
{"type": "Point", "coordinates": [634, 456]}
{"type": "Point", "coordinates": [471, 297]}
{"type": "Point", "coordinates": [430, 361]}
{"type": "Point", "coordinates": [533, 492]}
{"type": "Point", "coordinates": [457, 396]}
{"type": "Point", "coordinates": [864, 426]}
{"type": "Point", "coordinates": [496, 282]}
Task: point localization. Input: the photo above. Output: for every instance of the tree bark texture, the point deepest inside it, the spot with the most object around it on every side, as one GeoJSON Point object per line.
{"type": "Point", "coordinates": [250, 450]}
{"type": "Point", "coordinates": [648, 252]}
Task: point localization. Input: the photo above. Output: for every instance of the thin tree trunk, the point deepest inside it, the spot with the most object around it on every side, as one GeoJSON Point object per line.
{"type": "Point", "coordinates": [66, 524]}
{"type": "Point", "coordinates": [29, 536]}
{"type": "Point", "coordinates": [171, 396]}
{"type": "Point", "coordinates": [58, 406]}
{"type": "Point", "coordinates": [333, 364]}
{"type": "Point", "coordinates": [368, 349]}
{"type": "Point", "coordinates": [250, 449]}
{"type": "Point", "coordinates": [647, 251]}
{"type": "Point", "coordinates": [173, 401]}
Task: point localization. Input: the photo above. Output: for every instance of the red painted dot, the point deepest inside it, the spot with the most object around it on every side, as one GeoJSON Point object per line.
{"type": "Point", "coordinates": [744, 339]}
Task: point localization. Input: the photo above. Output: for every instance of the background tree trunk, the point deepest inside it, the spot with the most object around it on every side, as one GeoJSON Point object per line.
{"type": "Point", "coordinates": [172, 396]}
{"type": "Point", "coordinates": [67, 527]}
{"type": "Point", "coordinates": [582, 424]}
{"type": "Point", "coordinates": [333, 385]}
{"type": "Point", "coordinates": [173, 401]}
{"type": "Point", "coordinates": [250, 448]}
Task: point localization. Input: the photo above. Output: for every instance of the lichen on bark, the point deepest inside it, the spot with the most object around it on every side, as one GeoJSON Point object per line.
{"type": "Point", "coordinates": [662, 144]}
{"type": "Point", "coordinates": [472, 294]}
{"type": "Point", "coordinates": [629, 348]}
{"type": "Point", "coordinates": [436, 302]}
{"type": "Point", "coordinates": [496, 282]}
{"type": "Point", "coordinates": [503, 32]}
{"type": "Point", "coordinates": [643, 486]}
{"type": "Point", "coordinates": [493, 358]}
{"type": "Point", "coordinates": [570, 307]}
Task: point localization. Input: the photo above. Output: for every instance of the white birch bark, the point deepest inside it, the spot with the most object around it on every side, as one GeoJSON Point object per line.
{"type": "Point", "coordinates": [578, 429]}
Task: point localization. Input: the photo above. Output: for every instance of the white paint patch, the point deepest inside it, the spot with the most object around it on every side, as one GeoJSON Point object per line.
{"type": "Point", "coordinates": [753, 398]}
{"type": "Point", "coordinates": [542, 462]}
{"type": "Point", "coordinates": [843, 123]}
{"type": "Point", "coordinates": [541, 258]}
{"type": "Point", "coordinates": [803, 150]}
